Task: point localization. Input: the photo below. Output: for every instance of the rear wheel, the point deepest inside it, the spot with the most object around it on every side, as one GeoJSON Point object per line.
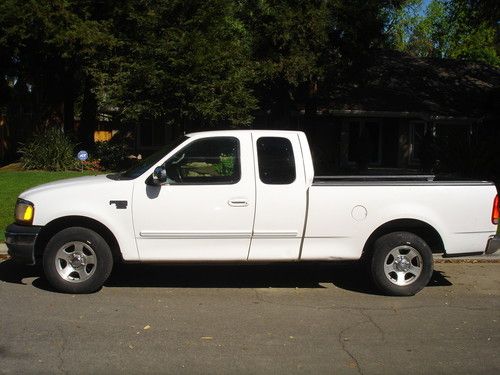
{"type": "Point", "coordinates": [401, 264]}
{"type": "Point", "coordinates": [77, 260]}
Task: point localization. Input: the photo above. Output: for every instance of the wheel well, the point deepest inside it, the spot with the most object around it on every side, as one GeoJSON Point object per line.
{"type": "Point", "coordinates": [417, 227]}
{"type": "Point", "coordinates": [61, 223]}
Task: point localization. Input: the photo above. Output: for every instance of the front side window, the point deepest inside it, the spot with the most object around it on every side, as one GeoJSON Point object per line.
{"type": "Point", "coordinates": [276, 161]}
{"type": "Point", "coordinates": [147, 163]}
{"type": "Point", "coordinates": [206, 161]}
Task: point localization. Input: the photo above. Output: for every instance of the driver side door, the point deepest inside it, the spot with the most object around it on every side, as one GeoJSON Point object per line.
{"type": "Point", "coordinates": [205, 211]}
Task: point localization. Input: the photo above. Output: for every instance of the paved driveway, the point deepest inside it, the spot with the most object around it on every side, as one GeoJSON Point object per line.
{"type": "Point", "coordinates": [272, 319]}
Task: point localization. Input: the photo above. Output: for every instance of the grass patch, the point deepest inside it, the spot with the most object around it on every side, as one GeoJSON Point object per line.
{"type": "Point", "coordinates": [13, 183]}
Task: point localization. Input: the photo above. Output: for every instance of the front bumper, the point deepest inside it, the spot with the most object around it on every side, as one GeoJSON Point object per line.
{"type": "Point", "coordinates": [493, 244]}
{"type": "Point", "coordinates": [20, 241]}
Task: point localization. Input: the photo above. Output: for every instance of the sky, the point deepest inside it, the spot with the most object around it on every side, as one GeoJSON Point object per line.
{"type": "Point", "coordinates": [425, 3]}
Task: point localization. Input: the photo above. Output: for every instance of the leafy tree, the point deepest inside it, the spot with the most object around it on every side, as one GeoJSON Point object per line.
{"type": "Point", "coordinates": [301, 49]}
{"type": "Point", "coordinates": [186, 63]}
{"type": "Point", "coordinates": [474, 31]}
{"type": "Point", "coordinates": [447, 29]}
{"type": "Point", "coordinates": [288, 40]}
{"type": "Point", "coordinates": [50, 46]}
{"type": "Point", "coordinates": [181, 62]}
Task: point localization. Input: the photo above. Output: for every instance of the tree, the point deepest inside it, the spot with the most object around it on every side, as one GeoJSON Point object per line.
{"type": "Point", "coordinates": [50, 46]}
{"type": "Point", "coordinates": [184, 62]}
{"type": "Point", "coordinates": [447, 29]}
{"type": "Point", "coordinates": [181, 63]}
{"type": "Point", "coordinates": [301, 49]}
{"type": "Point", "coordinates": [474, 31]}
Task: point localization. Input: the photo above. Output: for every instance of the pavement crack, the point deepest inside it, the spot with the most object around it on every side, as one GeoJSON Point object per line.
{"type": "Point", "coordinates": [343, 345]}
{"type": "Point", "coordinates": [370, 320]}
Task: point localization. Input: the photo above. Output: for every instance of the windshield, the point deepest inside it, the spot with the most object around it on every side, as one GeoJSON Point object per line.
{"type": "Point", "coordinates": [151, 160]}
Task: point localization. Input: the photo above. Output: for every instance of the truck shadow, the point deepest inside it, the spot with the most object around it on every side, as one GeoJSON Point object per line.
{"type": "Point", "coordinates": [349, 276]}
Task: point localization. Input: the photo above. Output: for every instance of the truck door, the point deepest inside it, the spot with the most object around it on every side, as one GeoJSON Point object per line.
{"type": "Point", "coordinates": [281, 197]}
{"type": "Point", "coordinates": [206, 209]}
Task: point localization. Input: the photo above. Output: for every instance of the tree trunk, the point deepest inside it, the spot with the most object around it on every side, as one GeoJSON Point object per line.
{"type": "Point", "coordinates": [311, 105]}
{"type": "Point", "coordinates": [88, 122]}
{"type": "Point", "coordinates": [69, 114]}
{"type": "Point", "coordinates": [68, 102]}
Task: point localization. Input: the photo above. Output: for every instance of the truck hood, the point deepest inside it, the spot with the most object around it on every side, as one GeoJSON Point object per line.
{"type": "Point", "coordinates": [70, 183]}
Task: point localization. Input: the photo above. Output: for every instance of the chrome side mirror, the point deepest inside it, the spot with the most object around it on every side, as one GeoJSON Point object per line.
{"type": "Point", "coordinates": [159, 175]}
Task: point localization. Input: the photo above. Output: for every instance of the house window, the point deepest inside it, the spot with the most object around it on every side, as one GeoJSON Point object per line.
{"type": "Point", "coordinates": [365, 142]}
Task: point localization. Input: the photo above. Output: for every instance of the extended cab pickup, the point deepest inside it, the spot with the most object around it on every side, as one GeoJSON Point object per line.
{"type": "Point", "coordinates": [248, 196]}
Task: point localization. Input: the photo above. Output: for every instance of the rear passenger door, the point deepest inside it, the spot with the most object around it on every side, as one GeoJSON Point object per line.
{"type": "Point", "coordinates": [280, 197]}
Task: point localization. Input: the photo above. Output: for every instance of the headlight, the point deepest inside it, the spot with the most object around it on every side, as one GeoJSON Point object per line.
{"type": "Point", "coordinates": [24, 212]}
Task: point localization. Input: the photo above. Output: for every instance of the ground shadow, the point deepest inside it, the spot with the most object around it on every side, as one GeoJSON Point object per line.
{"type": "Point", "coordinates": [439, 279]}
{"type": "Point", "coordinates": [346, 275]}
{"type": "Point", "coordinates": [14, 273]}
{"type": "Point", "coordinates": [233, 276]}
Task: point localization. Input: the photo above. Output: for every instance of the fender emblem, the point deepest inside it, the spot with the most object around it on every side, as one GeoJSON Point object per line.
{"type": "Point", "coordinates": [120, 205]}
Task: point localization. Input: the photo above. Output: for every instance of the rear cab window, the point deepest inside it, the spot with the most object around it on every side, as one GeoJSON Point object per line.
{"type": "Point", "coordinates": [276, 161]}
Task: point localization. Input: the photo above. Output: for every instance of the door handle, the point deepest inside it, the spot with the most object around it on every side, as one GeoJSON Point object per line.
{"type": "Point", "coordinates": [238, 202]}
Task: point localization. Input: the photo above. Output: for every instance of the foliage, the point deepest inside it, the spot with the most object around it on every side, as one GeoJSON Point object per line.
{"type": "Point", "coordinates": [50, 150]}
{"type": "Point", "coordinates": [447, 29]}
{"type": "Point", "coordinates": [473, 32]}
{"type": "Point", "coordinates": [111, 155]}
{"type": "Point", "coordinates": [181, 62]}
{"type": "Point", "coordinates": [92, 164]}
{"type": "Point", "coordinates": [185, 63]}
{"type": "Point", "coordinates": [13, 183]}
{"type": "Point", "coordinates": [204, 63]}
{"type": "Point", "coordinates": [52, 46]}
{"type": "Point", "coordinates": [300, 49]}
{"type": "Point", "coordinates": [225, 167]}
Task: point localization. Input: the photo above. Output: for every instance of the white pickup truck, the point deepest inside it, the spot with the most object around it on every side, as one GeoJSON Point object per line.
{"type": "Point", "coordinates": [248, 196]}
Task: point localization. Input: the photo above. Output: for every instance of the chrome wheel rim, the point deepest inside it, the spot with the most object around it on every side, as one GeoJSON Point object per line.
{"type": "Point", "coordinates": [75, 261]}
{"type": "Point", "coordinates": [403, 265]}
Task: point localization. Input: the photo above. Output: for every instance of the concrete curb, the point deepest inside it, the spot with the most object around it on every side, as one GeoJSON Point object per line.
{"type": "Point", "coordinates": [438, 258]}
{"type": "Point", "coordinates": [491, 258]}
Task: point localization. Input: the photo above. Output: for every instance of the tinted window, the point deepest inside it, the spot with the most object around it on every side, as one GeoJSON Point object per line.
{"type": "Point", "coordinates": [206, 161]}
{"type": "Point", "coordinates": [276, 161]}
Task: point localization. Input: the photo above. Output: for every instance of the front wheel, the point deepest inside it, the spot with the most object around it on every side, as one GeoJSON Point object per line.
{"type": "Point", "coordinates": [401, 264]}
{"type": "Point", "coordinates": [77, 260]}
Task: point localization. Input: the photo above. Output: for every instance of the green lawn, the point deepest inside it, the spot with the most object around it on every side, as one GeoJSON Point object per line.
{"type": "Point", "coordinates": [12, 183]}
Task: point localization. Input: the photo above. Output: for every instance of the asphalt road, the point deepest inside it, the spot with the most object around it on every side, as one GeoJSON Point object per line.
{"type": "Point", "coordinates": [265, 319]}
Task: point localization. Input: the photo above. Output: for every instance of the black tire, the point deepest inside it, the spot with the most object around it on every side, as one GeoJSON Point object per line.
{"type": "Point", "coordinates": [401, 264]}
{"type": "Point", "coordinates": [77, 260]}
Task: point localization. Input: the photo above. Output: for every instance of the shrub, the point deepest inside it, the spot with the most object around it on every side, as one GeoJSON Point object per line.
{"type": "Point", "coordinates": [225, 167]}
{"type": "Point", "coordinates": [93, 165]}
{"type": "Point", "coordinates": [112, 155]}
{"type": "Point", "coordinates": [50, 150]}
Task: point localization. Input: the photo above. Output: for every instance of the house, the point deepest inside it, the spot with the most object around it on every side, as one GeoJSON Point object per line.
{"type": "Point", "coordinates": [406, 115]}
{"type": "Point", "coordinates": [402, 114]}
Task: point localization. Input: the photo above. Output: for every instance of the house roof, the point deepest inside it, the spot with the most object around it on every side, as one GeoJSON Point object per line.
{"type": "Point", "coordinates": [397, 82]}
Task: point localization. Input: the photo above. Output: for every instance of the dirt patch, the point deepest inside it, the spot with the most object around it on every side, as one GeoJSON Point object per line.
{"type": "Point", "coordinates": [12, 167]}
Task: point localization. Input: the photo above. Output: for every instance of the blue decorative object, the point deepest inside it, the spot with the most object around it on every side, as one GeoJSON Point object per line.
{"type": "Point", "coordinates": [83, 155]}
